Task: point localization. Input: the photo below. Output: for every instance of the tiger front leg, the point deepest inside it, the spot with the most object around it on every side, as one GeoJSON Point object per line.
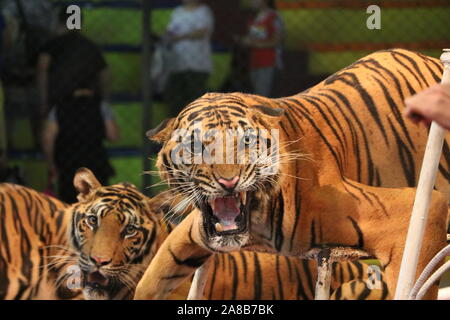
{"type": "Point", "coordinates": [176, 260]}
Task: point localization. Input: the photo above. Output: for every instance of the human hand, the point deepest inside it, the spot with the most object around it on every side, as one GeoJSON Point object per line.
{"type": "Point", "coordinates": [432, 104]}
{"type": "Point", "coordinates": [167, 38]}
{"type": "Point", "coordinates": [172, 37]}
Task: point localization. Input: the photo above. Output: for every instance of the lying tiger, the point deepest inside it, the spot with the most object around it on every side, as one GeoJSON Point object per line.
{"type": "Point", "coordinates": [115, 232]}
{"type": "Point", "coordinates": [323, 186]}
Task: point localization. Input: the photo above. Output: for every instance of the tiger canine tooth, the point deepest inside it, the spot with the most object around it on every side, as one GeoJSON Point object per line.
{"type": "Point", "coordinates": [243, 197]}
{"type": "Point", "coordinates": [219, 227]}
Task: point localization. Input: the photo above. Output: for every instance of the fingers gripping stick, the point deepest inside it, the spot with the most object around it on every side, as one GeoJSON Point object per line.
{"type": "Point", "coordinates": [422, 201]}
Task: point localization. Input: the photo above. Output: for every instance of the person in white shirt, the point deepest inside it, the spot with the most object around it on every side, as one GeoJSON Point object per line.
{"type": "Point", "coordinates": [189, 37]}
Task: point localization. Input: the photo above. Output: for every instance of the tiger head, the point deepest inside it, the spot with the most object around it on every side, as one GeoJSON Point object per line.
{"type": "Point", "coordinates": [115, 232]}
{"type": "Point", "coordinates": [219, 153]}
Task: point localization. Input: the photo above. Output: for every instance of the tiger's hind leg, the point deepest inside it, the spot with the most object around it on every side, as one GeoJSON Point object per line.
{"type": "Point", "coordinates": [380, 218]}
{"type": "Point", "coordinates": [387, 243]}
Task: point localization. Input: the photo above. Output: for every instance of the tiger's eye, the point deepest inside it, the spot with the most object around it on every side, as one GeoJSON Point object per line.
{"type": "Point", "coordinates": [249, 139]}
{"type": "Point", "coordinates": [92, 220]}
{"type": "Point", "coordinates": [130, 230]}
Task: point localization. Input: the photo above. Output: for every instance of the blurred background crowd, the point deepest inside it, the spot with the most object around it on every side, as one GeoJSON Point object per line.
{"type": "Point", "coordinates": [72, 98]}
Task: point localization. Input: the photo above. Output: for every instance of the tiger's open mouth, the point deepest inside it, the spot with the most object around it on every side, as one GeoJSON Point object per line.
{"type": "Point", "coordinates": [96, 280]}
{"type": "Point", "coordinates": [96, 286]}
{"type": "Point", "coordinates": [226, 215]}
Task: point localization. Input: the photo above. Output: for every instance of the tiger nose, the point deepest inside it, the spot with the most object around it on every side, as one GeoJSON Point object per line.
{"type": "Point", "coordinates": [228, 184]}
{"type": "Point", "coordinates": [100, 261]}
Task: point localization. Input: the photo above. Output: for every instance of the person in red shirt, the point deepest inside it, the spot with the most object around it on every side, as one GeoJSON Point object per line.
{"type": "Point", "coordinates": [263, 40]}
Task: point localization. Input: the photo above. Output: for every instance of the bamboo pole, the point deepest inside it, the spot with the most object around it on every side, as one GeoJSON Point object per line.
{"type": "Point", "coordinates": [424, 190]}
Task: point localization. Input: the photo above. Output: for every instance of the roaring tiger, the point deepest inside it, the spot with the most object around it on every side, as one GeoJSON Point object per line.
{"type": "Point", "coordinates": [330, 184]}
{"type": "Point", "coordinates": [108, 258]}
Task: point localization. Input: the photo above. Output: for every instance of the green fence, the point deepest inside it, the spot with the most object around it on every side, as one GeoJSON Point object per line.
{"type": "Point", "coordinates": [332, 37]}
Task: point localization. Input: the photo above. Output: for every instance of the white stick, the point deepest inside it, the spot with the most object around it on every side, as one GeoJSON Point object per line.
{"type": "Point", "coordinates": [198, 283]}
{"type": "Point", "coordinates": [424, 190]}
{"type": "Point", "coordinates": [323, 275]}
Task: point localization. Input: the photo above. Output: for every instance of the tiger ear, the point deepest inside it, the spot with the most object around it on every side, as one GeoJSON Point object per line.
{"type": "Point", "coordinates": [163, 131]}
{"type": "Point", "coordinates": [268, 111]}
{"type": "Point", "coordinates": [128, 185]}
{"type": "Point", "coordinates": [85, 183]}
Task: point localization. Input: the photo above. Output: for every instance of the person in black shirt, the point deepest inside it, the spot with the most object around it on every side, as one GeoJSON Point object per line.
{"type": "Point", "coordinates": [73, 84]}
{"type": "Point", "coordinates": [29, 24]}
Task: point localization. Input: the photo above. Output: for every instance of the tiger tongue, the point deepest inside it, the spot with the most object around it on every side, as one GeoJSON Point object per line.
{"type": "Point", "coordinates": [226, 209]}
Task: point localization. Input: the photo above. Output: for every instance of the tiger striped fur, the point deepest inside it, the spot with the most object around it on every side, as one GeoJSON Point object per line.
{"type": "Point", "coordinates": [346, 155]}
{"type": "Point", "coordinates": [32, 238]}
{"type": "Point", "coordinates": [36, 255]}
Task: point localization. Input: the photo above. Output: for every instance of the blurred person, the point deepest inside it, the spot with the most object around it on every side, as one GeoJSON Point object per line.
{"type": "Point", "coordinates": [238, 79]}
{"type": "Point", "coordinates": [3, 35]}
{"type": "Point", "coordinates": [8, 173]}
{"type": "Point", "coordinates": [432, 104]}
{"type": "Point", "coordinates": [188, 35]}
{"type": "Point", "coordinates": [160, 67]}
{"type": "Point", "coordinates": [74, 85]}
{"type": "Point", "coordinates": [263, 39]}
{"type": "Point", "coordinates": [5, 38]}
{"type": "Point", "coordinates": [29, 24]}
